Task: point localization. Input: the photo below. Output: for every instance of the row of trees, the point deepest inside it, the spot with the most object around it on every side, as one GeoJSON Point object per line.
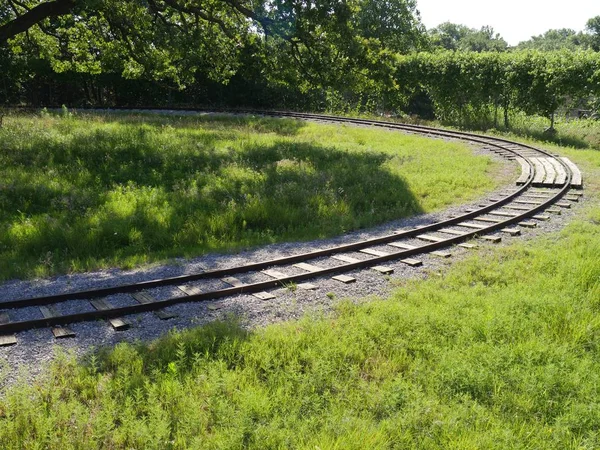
{"type": "Point", "coordinates": [468, 87]}
{"type": "Point", "coordinates": [451, 36]}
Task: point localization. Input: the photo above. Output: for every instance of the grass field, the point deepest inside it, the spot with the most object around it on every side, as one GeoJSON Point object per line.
{"type": "Point", "coordinates": [502, 351]}
{"type": "Point", "coordinates": [82, 192]}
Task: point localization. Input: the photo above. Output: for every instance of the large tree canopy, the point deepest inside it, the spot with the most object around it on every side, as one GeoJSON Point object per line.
{"type": "Point", "coordinates": [161, 39]}
{"type": "Point", "coordinates": [176, 39]}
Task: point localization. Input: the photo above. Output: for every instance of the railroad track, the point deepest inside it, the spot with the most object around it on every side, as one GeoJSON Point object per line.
{"type": "Point", "coordinates": [547, 184]}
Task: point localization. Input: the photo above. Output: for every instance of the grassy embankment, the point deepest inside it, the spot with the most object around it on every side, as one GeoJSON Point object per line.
{"type": "Point", "coordinates": [79, 193]}
{"type": "Point", "coordinates": [502, 351]}
{"type": "Point", "coordinates": [577, 133]}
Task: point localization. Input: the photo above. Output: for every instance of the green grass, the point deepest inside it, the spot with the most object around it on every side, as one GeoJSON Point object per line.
{"type": "Point", "coordinates": [576, 133]}
{"type": "Point", "coordinates": [83, 192]}
{"type": "Point", "coordinates": [501, 351]}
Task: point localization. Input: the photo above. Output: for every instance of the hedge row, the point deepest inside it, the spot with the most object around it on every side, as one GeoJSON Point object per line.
{"type": "Point", "coordinates": [466, 86]}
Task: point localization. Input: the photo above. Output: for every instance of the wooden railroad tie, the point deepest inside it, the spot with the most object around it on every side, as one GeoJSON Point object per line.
{"type": "Point", "coordinates": [59, 332]}
{"type": "Point", "coordinates": [118, 323]}
{"type": "Point", "coordinates": [512, 231]}
{"type": "Point", "coordinates": [308, 267]}
{"type": "Point", "coordinates": [6, 339]}
{"type": "Point", "coordinates": [528, 224]}
{"type": "Point", "coordinates": [373, 252]}
{"type": "Point", "coordinates": [494, 239]}
{"type": "Point", "coordinates": [232, 281]}
{"type": "Point", "coordinates": [145, 298]}
{"type": "Point", "coordinates": [344, 279]}
{"type": "Point", "coordinates": [427, 237]}
{"type": "Point", "coordinates": [412, 262]}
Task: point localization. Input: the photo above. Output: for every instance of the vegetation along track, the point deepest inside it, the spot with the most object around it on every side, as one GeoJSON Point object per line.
{"type": "Point", "coordinates": [544, 186]}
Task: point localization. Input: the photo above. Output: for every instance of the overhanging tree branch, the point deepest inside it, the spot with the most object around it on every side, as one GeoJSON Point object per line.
{"type": "Point", "coordinates": [54, 8]}
{"type": "Point", "coordinates": [34, 16]}
{"type": "Point", "coordinates": [202, 14]}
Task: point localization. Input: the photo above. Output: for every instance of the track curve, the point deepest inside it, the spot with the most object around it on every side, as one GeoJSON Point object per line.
{"type": "Point", "coordinates": [539, 169]}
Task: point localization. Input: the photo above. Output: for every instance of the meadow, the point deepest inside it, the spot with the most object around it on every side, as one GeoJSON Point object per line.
{"type": "Point", "coordinates": [82, 192]}
{"type": "Point", "coordinates": [499, 351]}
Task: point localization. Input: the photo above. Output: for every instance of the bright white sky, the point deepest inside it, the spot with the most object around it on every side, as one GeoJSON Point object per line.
{"type": "Point", "coordinates": [515, 20]}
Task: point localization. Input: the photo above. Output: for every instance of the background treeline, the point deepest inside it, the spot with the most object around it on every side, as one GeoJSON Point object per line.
{"type": "Point", "coordinates": [361, 56]}
{"type": "Point", "coordinates": [456, 87]}
{"type": "Point", "coordinates": [484, 88]}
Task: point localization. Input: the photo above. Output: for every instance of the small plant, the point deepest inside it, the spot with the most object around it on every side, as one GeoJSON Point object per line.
{"type": "Point", "coordinates": [65, 113]}
{"type": "Point", "coordinates": [330, 295]}
{"type": "Point", "coordinates": [291, 286]}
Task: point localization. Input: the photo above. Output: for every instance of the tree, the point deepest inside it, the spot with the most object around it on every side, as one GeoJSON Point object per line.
{"type": "Point", "coordinates": [552, 40]}
{"type": "Point", "coordinates": [19, 16]}
{"type": "Point", "coordinates": [593, 27]}
{"type": "Point", "coordinates": [395, 24]}
{"type": "Point", "coordinates": [472, 88]}
{"type": "Point", "coordinates": [326, 42]}
{"type": "Point", "coordinates": [561, 39]}
{"type": "Point", "coordinates": [158, 39]}
{"type": "Point", "coordinates": [451, 36]}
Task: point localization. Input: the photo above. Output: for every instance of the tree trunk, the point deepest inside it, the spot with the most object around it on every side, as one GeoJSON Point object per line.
{"type": "Point", "coordinates": [495, 114]}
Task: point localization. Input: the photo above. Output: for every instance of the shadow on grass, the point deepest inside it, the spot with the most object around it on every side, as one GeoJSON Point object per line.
{"type": "Point", "coordinates": [126, 198]}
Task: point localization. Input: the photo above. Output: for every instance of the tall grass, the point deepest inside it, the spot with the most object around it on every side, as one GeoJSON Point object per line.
{"type": "Point", "coordinates": [82, 192]}
{"type": "Point", "coordinates": [502, 351]}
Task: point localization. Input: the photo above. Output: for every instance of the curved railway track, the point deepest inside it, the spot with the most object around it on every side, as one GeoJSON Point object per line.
{"type": "Point", "coordinates": [542, 189]}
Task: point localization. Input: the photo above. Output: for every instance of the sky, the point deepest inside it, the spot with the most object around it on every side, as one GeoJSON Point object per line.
{"type": "Point", "coordinates": [515, 20]}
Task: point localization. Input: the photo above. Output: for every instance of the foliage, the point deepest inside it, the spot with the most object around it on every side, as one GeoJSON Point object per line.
{"type": "Point", "coordinates": [593, 27]}
{"type": "Point", "coordinates": [355, 57]}
{"type": "Point", "coordinates": [468, 87]}
{"type": "Point", "coordinates": [553, 40]}
{"type": "Point", "coordinates": [451, 36]}
{"type": "Point", "coordinates": [328, 42]}
{"type": "Point", "coordinates": [82, 192]}
{"type": "Point", "coordinates": [502, 351]}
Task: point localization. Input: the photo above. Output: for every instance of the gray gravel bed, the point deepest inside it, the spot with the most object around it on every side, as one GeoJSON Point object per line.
{"type": "Point", "coordinates": [74, 307]}
{"type": "Point", "coordinates": [120, 300]}
{"type": "Point", "coordinates": [36, 348]}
